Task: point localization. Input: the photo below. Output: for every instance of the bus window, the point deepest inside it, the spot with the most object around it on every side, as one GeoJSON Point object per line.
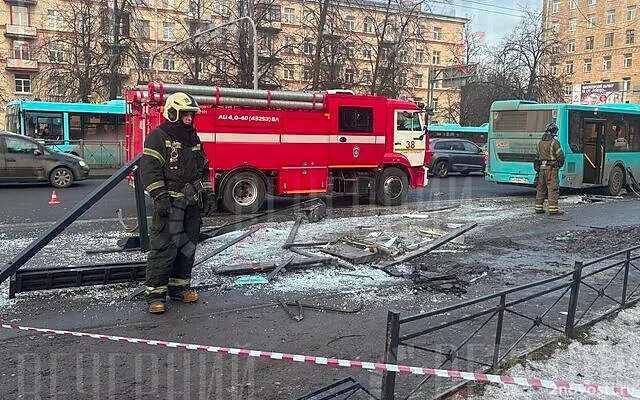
{"type": "Point", "coordinates": [102, 127]}
{"type": "Point", "coordinates": [46, 126]}
{"type": "Point", "coordinates": [75, 127]}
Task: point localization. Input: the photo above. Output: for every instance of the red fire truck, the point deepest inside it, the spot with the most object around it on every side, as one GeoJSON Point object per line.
{"type": "Point", "coordinates": [286, 142]}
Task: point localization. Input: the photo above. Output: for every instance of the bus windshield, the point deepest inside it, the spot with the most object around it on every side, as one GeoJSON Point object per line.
{"type": "Point", "coordinates": [12, 119]}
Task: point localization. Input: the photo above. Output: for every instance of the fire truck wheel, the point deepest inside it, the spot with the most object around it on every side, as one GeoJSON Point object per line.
{"type": "Point", "coordinates": [243, 193]}
{"type": "Point", "coordinates": [392, 187]}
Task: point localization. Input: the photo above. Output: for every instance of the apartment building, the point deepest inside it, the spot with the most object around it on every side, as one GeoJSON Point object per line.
{"type": "Point", "coordinates": [46, 43]}
{"type": "Point", "coordinates": [602, 60]}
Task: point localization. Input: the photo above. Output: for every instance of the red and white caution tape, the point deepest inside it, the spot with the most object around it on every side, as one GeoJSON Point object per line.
{"type": "Point", "coordinates": [559, 385]}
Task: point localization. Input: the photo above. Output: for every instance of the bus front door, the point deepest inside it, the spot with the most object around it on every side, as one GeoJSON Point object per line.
{"type": "Point", "coordinates": [593, 158]}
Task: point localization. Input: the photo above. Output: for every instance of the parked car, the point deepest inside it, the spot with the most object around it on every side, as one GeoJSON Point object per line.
{"type": "Point", "coordinates": [22, 159]}
{"type": "Point", "coordinates": [455, 155]}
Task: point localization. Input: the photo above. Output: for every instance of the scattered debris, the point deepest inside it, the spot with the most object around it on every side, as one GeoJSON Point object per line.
{"type": "Point", "coordinates": [444, 283]}
{"type": "Point", "coordinates": [439, 233]}
{"type": "Point", "coordinates": [227, 245]}
{"type": "Point", "coordinates": [566, 238]}
{"type": "Point", "coordinates": [475, 278]}
{"type": "Point", "coordinates": [296, 317]}
{"type": "Point", "coordinates": [353, 252]}
{"type": "Point", "coordinates": [258, 280]}
{"type": "Point", "coordinates": [248, 268]}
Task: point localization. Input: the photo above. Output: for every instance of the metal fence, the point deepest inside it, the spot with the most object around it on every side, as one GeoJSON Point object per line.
{"type": "Point", "coordinates": [96, 153]}
{"type": "Point", "coordinates": [488, 332]}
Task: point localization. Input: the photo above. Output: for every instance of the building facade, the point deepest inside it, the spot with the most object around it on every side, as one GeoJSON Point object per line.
{"type": "Point", "coordinates": [602, 57]}
{"type": "Point", "coordinates": [85, 51]}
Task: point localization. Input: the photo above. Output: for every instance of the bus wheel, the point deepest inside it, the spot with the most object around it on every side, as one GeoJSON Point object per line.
{"type": "Point", "coordinates": [61, 177]}
{"type": "Point", "coordinates": [442, 169]}
{"type": "Point", "coordinates": [243, 193]}
{"type": "Point", "coordinates": [616, 182]}
{"type": "Point", "coordinates": [392, 187]}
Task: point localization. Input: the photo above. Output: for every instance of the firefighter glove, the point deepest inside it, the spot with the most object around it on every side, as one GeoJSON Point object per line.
{"type": "Point", "coordinates": [208, 202]}
{"type": "Point", "coordinates": [162, 204]}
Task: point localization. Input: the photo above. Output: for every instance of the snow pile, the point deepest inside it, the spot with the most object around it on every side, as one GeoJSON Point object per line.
{"type": "Point", "coordinates": [610, 358]}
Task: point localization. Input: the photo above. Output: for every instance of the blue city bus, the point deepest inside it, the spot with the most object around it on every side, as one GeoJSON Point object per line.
{"type": "Point", "coordinates": [476, 134]}
{"type": "Point", "coordinates": [94, 132]}
{"type": "Point", "coordinates": [600, 142]}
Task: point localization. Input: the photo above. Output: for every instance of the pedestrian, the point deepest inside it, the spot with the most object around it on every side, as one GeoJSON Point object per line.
{"type": "Point", "coordinates": [175, 172]}
{"type": "Point", "coordinates": [549, 159]}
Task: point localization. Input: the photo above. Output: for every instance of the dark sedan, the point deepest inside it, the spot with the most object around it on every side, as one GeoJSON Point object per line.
{"type": "Point", "coordinates": [22, 159]}
{"type": "Point", "coordinates": [455, 155]}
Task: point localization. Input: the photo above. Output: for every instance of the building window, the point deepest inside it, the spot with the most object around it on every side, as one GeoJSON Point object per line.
{"type": "Point", "coordinates": [23, 83]}
{"type": "Point", "coordinates": [168, 64]}
{"type": "Point", "coordinates": [568, 89]}
{"type": "Point", "coordinates": [631, 13]}
{"type": "Point", "coordinates": [627, 60]}
{"type": "Point", "coordinates": [417, 80]}
{"type": "Point", "coordinates": [611, 17]}
{"type": "Point", "coordinates": [348, 75]}
{"type": "Point", "coordinates": [556, 6]}
{"type": "Point", "coordinates": [573, 23]}
{"type": "Point", "coordinates": [289, 72]}
{"type": "Point", "coordinates": [350, 23]}
{"type": "Point", "coordinates": [419, 30]}
{"type": "Point", "coordinates": [555, 27]}
{"type": "Point", "coordinates": [626, 81]}
{"type": "Point", "coordinates": [606, 64]}
{"type": "Point", "coordinates": [554, 69]}
{"type": "Point", "coordinates": [437, 33]}
{"type": "Point", "coordinates": [289, 15]}
{"type": "Point", "coordinates": [167, 3]}
{"type": "Point", "coordinates": [366, 76]}
{"type": "Point", "coordinates": [21, 50]}
{"type": "Point", "coordinates": [168, 30]}
{"type": "Point", "coordinates": [350, 50]}
{"type": "Point", "coordinates": [435, 57]}
{"type": "Point", "coordinates": [306, 73]}
{"type": "Point", "coordinates": [571, 47]}
{"type": "Point", "coordinates": [587, 65]}
{"type": "Point", "coordinates": [589, 43]}
{"type": "Point", "coordinates": [568, 68]}
{"type": "Point", "coordinates": [289, 44]}
{"type": "Point", "coordinates": [608, 39]}
{"type": "Point", "coordinates": [55, 53]}
{"type": "Point", "coordinates": [142, 29]}
{"type": "Point", "coordinates": [419, 56]}
{"type": "Point", "coordinates": [573, 4]}
{"type": "Point", "coordinates": [57, 88]}
{"type": "Point", "coordinates": [591, 2]}
{"type": "Point", "coordinates": [307, 47]}
{"type": "Point", "coordinates": [629, 36]}
{"type": "Point", "coordinates": [366, 51]}
{"type": "Point", "coordinates": [19, 16]}
{"type": "Point", "coordinates": [54, 19]}
{"type": "Point", "coordinates": [591, 20]}
{"type": "Point", "coordinates": [368, 25]}
{"type": "Point", "coordinates": [434, 104]}
{"type": "Point", "coordinates": [144, 60]}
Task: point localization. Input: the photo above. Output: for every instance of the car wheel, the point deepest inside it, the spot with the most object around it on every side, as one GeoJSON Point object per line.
{"type": "Point", "coordinates": [616, 182]}
{"type": "Point", "coordinates": [442, 169]}
{"type": "Point", "coordinates": [243, 193]}
{"type": "Point", "coordinates": [61, 177]}
{"type": "Point", "coordinates": [392, 187]}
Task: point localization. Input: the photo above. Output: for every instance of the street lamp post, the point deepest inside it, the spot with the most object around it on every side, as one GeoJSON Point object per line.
{"type": "Point", "coordinates": [255, 45]}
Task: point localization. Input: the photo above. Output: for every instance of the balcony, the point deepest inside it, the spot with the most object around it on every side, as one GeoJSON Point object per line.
{"type": "Point", "coordinates": [20, 31]}
{"type": "Point", "coordinates": [22, 2]}
{"type": "Point", "coordinates": [16, 64]}
{"type": "Point", "coordinates": [269, 26]}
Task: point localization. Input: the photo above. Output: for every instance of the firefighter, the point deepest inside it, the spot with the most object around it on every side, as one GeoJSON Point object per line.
{"type": "Point", "coordinates": [175, 172]}
{"type": "Point", "coordinates": [549, 159]}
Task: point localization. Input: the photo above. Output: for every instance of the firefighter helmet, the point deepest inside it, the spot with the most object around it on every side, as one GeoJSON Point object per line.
{"type": "Point", "coordinates": [177, 103]}
{"type": "Point", "coordinates": [551, 128]}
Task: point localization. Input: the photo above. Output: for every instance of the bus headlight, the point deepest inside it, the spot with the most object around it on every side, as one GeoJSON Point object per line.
{"type": "Point", "coordinates": [82, 163]}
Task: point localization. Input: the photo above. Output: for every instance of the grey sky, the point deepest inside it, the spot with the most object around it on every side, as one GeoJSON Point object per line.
{"type": "Point", "coordinates": [496, 18]}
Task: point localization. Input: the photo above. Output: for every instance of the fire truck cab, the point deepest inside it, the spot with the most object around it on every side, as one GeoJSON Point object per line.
{"type": "Point", "coordinates": [288, 143]}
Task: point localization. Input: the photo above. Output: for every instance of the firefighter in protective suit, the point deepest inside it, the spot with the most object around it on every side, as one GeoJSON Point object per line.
{"type": "Point", "coordinates": [549, 159]}
{"type": "Point", "coordinates": [175, 172]}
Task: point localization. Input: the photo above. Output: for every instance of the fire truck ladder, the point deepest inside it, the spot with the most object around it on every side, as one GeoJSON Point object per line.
{"type": "Point", "coordinates": [157, 92]}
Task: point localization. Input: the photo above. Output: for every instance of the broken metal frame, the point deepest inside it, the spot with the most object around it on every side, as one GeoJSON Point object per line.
{"type": "Point", "coordinates": [345, 386]}
{"type": "Point", "coordinates": [495, 307]}
{"type": "Point", "coordinates": [14, 265]}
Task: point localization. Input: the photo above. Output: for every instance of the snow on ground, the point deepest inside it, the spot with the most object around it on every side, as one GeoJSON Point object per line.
{"type": "Point", "coordinates": [610, 358]}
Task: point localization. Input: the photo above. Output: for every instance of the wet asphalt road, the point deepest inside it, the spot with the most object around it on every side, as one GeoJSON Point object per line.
{"type": "Point", "coordinates": [25, 203]}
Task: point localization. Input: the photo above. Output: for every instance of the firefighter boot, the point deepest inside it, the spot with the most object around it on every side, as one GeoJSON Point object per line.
{"type": "Point", "coordinates": [553, 210]}
{"type": "Point", "coordinates": [184, 295]}
{"type": "Point", "coordinates": [539, 208]}
{"type": "Point", "coordinates": [156, 306]}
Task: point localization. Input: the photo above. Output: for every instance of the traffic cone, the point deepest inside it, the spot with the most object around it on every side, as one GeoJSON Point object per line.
{"type": "Point", "coordinates": [54, 198]}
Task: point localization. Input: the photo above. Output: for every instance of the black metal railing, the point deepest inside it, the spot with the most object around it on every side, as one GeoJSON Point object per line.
{"type": "Point", "coordinates": [488, 332]}
{"type": "Point", "coordinates": [96, 153]}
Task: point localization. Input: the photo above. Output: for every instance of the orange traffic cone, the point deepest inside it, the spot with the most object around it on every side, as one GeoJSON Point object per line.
{"type": "Point", "coordinates": [54, 198]}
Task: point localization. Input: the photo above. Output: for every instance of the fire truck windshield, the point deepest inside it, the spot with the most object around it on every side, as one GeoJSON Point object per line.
{"type": "Point", "coordinates": [410, 121]}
